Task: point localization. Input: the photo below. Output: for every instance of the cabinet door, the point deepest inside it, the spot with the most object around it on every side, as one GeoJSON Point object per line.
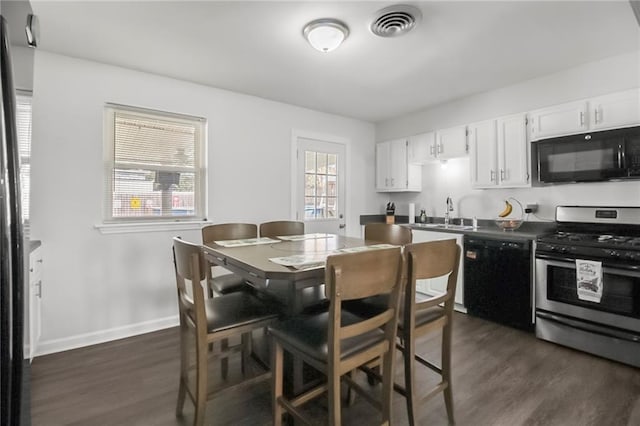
{"type": "Point", "coordinates": [559, 120]}
{"type": "Point", "coordinates": [452, 142]}
{"type": "Point", "coordinates": [35, 300]}
{"type": "Point", "coordinates": [513, 152]}
{"type": "Point", "coordinates": [421, 148]}
{"type": "Point", "coordinates": [383, 152]}
{"type": "Point", "coordinates": [615, 110]}
{"type": "Point", "coordinates": [483, 140]}
{"type": "Point", "coordinates": [398, 164]}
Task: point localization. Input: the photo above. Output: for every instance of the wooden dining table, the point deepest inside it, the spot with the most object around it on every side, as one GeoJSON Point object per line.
{"type": "Point", "coordinates": [294, 288]}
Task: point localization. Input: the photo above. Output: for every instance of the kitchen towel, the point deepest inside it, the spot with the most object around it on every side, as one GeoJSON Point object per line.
{"type": "Point", "coordinates": [412, 213]}
{"type": "Point", "coordinates": [589, 280]}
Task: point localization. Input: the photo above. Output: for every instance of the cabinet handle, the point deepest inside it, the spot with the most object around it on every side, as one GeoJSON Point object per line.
{"type": "Point", "coordinates": [39, 285]}
{"type": "Point", "coordinates": [432, 150]}
{"type": "Point", "coordinates": [502, 174]}
{"type": "Point", "coordinates": [493, 176]}
{"type": "Point", "coordinates": [596, 115]}
{"type": "Point", "coordinates": [581, 118]}
{"type": "Point", "coordinates": [386, 181]}
{"type": "Point", "coordinates": [440, 148]}
{"type": "Point", "coordinates": [392, 182]}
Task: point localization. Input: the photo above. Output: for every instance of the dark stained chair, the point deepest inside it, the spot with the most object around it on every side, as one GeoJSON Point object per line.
{"type": "Point", "coordinates": [389, 234]}
{"type": "Point", "coordinates": [204, 321]}
{"type": "Point", "coordinates": [421, 316]}
{"type": "Point", "coordinates": [336, 342]}
{"type": "Point", "coordinates": [227, 282]}
{"type": "Point", "coordinates": [281, 227]}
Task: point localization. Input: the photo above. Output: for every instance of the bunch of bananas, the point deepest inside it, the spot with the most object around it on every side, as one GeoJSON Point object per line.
{"type": "Point", "coordinates": [507, 209]}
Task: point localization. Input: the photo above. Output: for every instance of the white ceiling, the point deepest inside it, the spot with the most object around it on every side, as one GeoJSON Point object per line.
{"type": "Point", "coordinates": [257, 48]}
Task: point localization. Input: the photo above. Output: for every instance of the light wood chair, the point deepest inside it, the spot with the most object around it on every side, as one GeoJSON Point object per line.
{"type": "Point", "coordinates": [387, 233]}
{"type": "Point", "coordinates": [421, 315]}
{"type": "Point", "coordinates": [204, 321]}
{"type": "Point", "coordinates": [281, 227]}
{"type": "Point", "coordinates": [336, 342]}
{"type": "Point", "coordinates": [227, 282]}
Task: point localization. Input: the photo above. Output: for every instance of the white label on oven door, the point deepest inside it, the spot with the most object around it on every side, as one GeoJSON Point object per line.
{"type": "Point", "coordinates": [589, 280]}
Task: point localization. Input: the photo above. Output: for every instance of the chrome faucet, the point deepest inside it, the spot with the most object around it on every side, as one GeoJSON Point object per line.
{"type": "Point", "coordinates": [448, 209]}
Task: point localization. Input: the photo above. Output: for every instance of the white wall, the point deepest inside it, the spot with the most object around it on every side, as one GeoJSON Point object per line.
{"type": "Point", "coordinates": [99, 287]}
{"type": "Point", "coordinates": [592, 79]}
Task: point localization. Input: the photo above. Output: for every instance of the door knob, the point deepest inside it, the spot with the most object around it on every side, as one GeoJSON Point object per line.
{"type": "Point", "coordinates": [342, 226]}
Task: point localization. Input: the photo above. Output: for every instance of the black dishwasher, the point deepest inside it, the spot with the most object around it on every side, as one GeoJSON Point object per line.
{"type": "Point", "coordinates": [498, 280]}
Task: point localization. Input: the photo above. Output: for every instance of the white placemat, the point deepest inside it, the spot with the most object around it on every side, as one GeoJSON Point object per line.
{"type": "Point", "coordinates": [246, 242]}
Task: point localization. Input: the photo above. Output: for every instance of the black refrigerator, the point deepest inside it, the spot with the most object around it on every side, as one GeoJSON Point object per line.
{"type": "Point", "coordinates": [18, 27]}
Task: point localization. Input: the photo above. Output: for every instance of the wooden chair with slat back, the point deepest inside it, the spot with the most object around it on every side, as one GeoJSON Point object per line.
{"type": "Point", "coordinates": [387, 233]}
{"type": "Point", "coordinates": [422, 315]}
{"type": "Point", "coordinates": [204, 321]}
{"type": "Point", "coordinates": [225, 281]}
{"type": "Point", "coordinates": [336, 342]}
{"type": "Point", "coordinates": [281, 227]}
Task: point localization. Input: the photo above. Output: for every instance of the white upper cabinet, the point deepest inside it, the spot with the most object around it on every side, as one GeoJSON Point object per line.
{"type": "Point", "coordinates": [513, 151]}
{"type": "Point", "coordinates": [558, 120]}
{"type": "Point", "coordinates": [421, 147]}
{"type": "Point", "coordinates": [483, 150]}
{"type": "Point", "coordinates": [619, 109]}
{"type": "Point", "coordinates": [451, 143]}
{"type": "Point", "coordinates": [499, 152]}
{"type": "Point", "coordinates": [393, 171]}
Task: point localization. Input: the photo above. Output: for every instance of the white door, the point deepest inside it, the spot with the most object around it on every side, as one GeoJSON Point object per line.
{"type": "Point", "coordinates": [320, 185]}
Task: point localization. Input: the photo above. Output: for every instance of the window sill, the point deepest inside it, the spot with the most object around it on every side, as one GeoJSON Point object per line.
{"type": "Point", "coordinates": [125, 228]}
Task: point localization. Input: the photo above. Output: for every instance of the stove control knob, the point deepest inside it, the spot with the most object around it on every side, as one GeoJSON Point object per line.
{"type": "Point", "coordinates": [630, 255]}
{"type": "Point", "coordinates": [564, 250]}
{"type": "Point", "coordinates": [613, 253]}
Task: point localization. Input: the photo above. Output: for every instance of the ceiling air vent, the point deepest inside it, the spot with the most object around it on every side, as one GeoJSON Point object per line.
{"type": "Point", "coordinates": [395, 20]}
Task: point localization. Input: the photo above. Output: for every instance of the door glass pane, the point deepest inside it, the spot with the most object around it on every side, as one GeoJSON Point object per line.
{"type": "Point", "coordinates": [331, 207]}
{"type": "Point", "coordinates": [332, 185]}
{"type": "Point", "coordinates": [321, 185]}
{"type": "Point", "coordinates": [332, 164]}
{"type": "Point", "coordinates": [321, 202]}
{"type": "Point", "coordinates": [309, 207]}
{"type": "Point", "coordinates": [322, 162]}
{"type": "Point", "coordinates": [309, 162]}
{"type": "Point", "coordinates": [309, 185]}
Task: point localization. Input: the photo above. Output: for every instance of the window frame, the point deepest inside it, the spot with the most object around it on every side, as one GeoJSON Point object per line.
{"type": "Point", "coordinates": [113, 224]}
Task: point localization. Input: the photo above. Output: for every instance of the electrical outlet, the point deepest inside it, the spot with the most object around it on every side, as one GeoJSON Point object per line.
{"type": "Point", "coordinates": [531, 207]}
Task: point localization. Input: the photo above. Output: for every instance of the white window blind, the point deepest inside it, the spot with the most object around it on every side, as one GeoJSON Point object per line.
{"type": "Point", "coordinates": [23, 121]}
{"type": "Point", "coordinates": [155, 165]}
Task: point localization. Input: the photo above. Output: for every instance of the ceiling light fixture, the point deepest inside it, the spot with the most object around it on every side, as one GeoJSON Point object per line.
{"type": "Point", "coordinates": [325, 34]}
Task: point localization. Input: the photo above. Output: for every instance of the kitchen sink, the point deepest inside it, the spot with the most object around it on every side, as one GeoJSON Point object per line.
{"type": "Point", "coordinates": [442, 226]}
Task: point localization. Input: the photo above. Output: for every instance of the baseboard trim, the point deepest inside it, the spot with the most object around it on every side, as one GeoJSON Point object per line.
{"type": "Point", "coordinates": [81, 340]}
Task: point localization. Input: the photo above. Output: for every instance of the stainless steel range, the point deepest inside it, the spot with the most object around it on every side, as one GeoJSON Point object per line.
{"type": "Point", "coordinates": [588, 282]}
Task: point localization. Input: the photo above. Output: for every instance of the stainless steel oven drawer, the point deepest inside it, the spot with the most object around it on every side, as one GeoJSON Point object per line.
{"type": "Point", "coordinates": [618, 345]}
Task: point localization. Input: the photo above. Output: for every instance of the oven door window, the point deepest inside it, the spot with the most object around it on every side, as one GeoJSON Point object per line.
{"type": "Point", "coordinates": [620, 291]}
{"type": "Point", "coordinates": [580, 160]}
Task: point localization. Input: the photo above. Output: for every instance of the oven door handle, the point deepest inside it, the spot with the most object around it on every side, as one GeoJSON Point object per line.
{"type": "Point", "coordinates": [567, 262]}
{"type": "Point", "coordinates": [591, 328]}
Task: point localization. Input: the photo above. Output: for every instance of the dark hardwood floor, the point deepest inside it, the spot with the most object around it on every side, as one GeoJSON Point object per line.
{"type": "Point", "coordinates": [502, 376]}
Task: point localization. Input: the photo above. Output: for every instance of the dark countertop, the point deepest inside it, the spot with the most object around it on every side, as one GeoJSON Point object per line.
{"type": "Point", "coordinates": [486, 228]}
{"type": "Point", "coordinates": [34, 244]}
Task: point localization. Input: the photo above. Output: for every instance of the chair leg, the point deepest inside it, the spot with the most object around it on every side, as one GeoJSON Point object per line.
{"type": "Point", "coordinates": [224, 362]}
{"type": "Point", "coordinates": [446, 371]}
{"type": "Point", "coordinates": [409, 377]}
{"type": "Point", "coordinates": [351, 395]}
{"type": "Point", "coordinates": [276, 382]}
{"type": "Point", "coordinates": [246, 351]}
{"type": "Point", "coordinates": [333, 382]}
{"type": "Point", "coordinates": [201, 383]}
{"type": "Point", "coordinates": [387, 386]}
{"type": "Point", "coordinates": [182, 387]}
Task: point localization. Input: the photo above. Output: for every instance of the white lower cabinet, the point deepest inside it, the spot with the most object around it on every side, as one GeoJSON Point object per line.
{"type": "Point", "coordinates": [35, 300]}
{"type": "Point", "coordinates": [438, 286]}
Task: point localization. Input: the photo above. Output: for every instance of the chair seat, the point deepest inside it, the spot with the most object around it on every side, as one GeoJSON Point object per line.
{"type": "Point", "coordinates": [309, 334]}
{"type": "Point", "coordinates": [227, 283]}
{"type": "Point", "coordinates": [236, 310]}
{"type": "Point", "coordinates": [371, 306]}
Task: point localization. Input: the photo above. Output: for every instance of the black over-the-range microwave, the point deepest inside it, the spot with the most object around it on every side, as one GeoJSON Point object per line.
{"type": "Point", "coordinates": [589, 157]}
